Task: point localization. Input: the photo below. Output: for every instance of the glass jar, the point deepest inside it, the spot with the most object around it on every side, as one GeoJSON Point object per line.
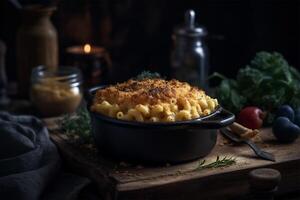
{"type": "Point", "coordinates": [56, 92]}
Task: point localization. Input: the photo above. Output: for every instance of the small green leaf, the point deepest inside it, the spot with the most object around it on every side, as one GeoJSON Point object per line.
{"type": "Point", "coordinates": [147, 75]}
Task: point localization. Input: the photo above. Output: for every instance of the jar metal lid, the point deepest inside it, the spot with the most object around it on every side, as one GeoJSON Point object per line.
{"type": "Point", "coordinates": [71, 75]}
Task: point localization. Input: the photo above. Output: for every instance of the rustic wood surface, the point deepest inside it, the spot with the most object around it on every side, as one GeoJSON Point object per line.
{"type": "Point", "coordinates": [118, 180]}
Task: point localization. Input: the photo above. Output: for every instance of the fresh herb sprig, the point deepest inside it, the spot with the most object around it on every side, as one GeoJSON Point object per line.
{"type": "Point", "coordinates": [267, 82]}
{"type": "Point", "coordinates": [147, 75]}
{"type": "Point", "coordinates": [223, 162]}
{"type": "Point", "coordinates": [78, 125]}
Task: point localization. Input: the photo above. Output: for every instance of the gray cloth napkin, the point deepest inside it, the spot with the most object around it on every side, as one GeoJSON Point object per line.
{"type": "Point", "coordinates": [30, 166]}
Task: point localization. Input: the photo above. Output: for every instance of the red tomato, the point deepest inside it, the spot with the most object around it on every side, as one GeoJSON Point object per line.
{"type": "Point", "coordinates": [251, 117]}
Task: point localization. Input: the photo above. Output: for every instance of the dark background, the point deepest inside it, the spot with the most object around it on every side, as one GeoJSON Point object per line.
{"type": "Point", "coordinates": [137, 33]}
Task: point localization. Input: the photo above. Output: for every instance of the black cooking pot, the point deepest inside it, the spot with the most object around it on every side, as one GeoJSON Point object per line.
{"type": "Point", "coordinates": [161, 142]}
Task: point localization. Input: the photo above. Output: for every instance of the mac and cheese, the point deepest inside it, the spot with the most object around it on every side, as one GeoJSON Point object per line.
{"type": "Point", "coordinates": [153, 100]}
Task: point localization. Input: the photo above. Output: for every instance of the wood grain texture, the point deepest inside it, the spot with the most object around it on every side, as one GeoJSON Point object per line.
{"type": "Point", "coordinates": [182, 181]}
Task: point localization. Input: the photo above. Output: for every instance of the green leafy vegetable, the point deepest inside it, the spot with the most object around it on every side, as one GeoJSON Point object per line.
{"type": "Point", "coordinates": [224, 162]}
{"type": "Point", "coordinates": [268, 82]}
{"type": "Point", "coordinates": [78, 125]}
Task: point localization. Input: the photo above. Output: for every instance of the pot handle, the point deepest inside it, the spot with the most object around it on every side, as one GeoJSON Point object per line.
{"type": "Point", "coordinates": [89, 94]}
{"type": "Point", "coordinates": [222, 119]}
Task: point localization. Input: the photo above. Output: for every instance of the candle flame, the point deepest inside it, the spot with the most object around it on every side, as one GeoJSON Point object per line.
{"type": "Point", "coordinates": [87, 48]}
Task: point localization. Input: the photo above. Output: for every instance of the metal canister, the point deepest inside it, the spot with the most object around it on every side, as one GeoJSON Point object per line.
{"type": "Point", "coordinates": [189, 57]}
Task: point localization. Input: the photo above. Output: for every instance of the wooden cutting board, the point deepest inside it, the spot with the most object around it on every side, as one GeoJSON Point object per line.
{"type": "Point", "coordinates": [117, 180]}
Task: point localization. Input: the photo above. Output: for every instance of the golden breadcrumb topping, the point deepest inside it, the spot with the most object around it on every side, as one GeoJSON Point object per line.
{"type": "Point", "coordinates": [148, 91]}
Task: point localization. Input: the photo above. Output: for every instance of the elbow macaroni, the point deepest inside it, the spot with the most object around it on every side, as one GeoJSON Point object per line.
{"type": "Point", "coordinates": [162, 112]}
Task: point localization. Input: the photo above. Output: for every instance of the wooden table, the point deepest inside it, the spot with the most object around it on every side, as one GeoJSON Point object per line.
{"type": "Point", "coordinates": [182, 181]}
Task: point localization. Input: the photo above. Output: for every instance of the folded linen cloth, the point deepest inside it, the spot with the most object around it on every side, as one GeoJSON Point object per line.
{"type": "Point", "coordinates": [29, 161]}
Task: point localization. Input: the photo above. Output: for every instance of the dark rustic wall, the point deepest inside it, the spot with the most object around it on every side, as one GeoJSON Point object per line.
{"type": "Point", "coordinates": [138, 32]}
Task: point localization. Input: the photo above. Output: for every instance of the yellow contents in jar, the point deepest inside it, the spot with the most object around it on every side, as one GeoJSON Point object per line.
{"type": "Point", "coordinates": [52, 97]}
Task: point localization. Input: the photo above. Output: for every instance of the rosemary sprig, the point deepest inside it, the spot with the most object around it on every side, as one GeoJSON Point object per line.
{"type": "Point", "coordinates": [78, 125]}
{"type": "Point", "coordinates": [224, 162]}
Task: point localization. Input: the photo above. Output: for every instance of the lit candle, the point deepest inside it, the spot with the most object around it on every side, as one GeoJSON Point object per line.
{"type": "Point", "coordinates": [86, 50]}
{"type": "Point", "coordinates": [93, 61]}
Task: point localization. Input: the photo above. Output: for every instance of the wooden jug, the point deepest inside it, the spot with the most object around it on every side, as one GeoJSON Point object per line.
{"type": "Point", "coordinates": [37, 44]}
